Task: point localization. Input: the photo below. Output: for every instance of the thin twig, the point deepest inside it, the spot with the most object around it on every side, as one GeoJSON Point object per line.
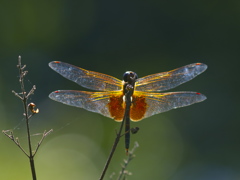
{"type": "Point", "coordinates": [24, 98]}
{"type": "Point", "coordinates": [128, 104]}
{"type": "Point", "coordinates": [29, 111]}
{"type": "Point", "coordinates": [112, 151]}
{"type": "Point", "coordinates": [16, 94]}
{"type": "Point", "coordinates": [45, 134]}
{"type": "Point", "coordinates": [126, 162]}
{"type": "Point", "coordinates": [15, 140]}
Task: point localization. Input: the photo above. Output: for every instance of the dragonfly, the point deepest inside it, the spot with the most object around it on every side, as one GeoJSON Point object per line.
{"type": "Point", "coordinates": [133, 98]}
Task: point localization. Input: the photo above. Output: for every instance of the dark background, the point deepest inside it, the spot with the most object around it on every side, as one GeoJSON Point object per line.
{"type": "Point", "coordinates": [199, 142]}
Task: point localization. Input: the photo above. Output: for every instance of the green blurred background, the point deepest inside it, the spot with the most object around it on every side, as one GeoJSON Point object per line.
{"type": "Point", "coordinates": [199, 142]}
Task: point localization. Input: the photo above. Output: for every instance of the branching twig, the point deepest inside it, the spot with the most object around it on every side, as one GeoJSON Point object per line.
{"type": "Point", "coordinates": [131, 155]}
{"type": "Point", "coordinates": [45, 134]}
{"type": "Point", "coordinates": [29, 111]}
{"type": "Point", "coordinates": [10, 135]}
{"type": "Point", "coordinates": [24, 99]}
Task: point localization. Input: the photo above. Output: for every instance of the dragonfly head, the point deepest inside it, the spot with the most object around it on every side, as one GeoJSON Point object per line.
{"type": "Point", "coordinates": [129, 77]}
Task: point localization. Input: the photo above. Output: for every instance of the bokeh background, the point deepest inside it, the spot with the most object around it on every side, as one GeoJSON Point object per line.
{"type": "Point", "coordinates": [199, 142]}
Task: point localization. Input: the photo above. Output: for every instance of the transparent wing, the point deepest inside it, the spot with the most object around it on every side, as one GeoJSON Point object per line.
{"type": "Point", "coordinates": [91, 101]}
{"type": "Point", "coordinates": [88, 79]}
{"type": "Point", "coordinates": [161, 102]}
{"type": "Point", "coordinates": [109, 104]}
{"type": "Point", "coordinates": [168, 80]}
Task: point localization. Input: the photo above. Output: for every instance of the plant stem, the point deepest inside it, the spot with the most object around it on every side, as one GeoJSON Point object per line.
{"type": "Point", "coordinates": [29, 111]}
{"type": "Point", "coordinates": [112, 151]}
{"type": "Point", "coordinates": [24, 100]}
{"type": "Point", "coordinates": [29, 141]}
{"type": "Point", "coordinates": [126, 162]}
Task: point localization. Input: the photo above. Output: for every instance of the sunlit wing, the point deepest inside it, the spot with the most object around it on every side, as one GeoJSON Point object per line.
{"type": "Point", "coordinates": [168, 80]}
{"type": "Point", "coordinates": [147, 104]}
{"type": "Point", "coordinates": [109, 104]}
{"type": "Point", "coordinates": [88, 79]}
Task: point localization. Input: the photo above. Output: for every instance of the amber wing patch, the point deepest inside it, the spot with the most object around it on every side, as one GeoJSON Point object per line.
{"type": "Point", "coordinates": [116, 107]}
{"type": "Point", "coordinates": [138, 107]}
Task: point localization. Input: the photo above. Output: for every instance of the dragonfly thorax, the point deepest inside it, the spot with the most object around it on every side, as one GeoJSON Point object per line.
{"type": "Point", "coordinates": [124, 98]}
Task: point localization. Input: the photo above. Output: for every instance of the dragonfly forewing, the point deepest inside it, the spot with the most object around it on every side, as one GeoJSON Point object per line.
{"type": "Point", "coordinates": [85, 78]}
{"type": "Point", "coordinates": [168, 80]}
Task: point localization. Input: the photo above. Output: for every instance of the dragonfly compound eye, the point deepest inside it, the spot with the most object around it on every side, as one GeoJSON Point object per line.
{"type": "Point", "coordinates": [129, 75]}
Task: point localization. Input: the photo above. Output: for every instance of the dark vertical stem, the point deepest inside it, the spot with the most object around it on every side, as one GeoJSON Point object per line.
{"type": "Point", "coordinates": [112, 151]}
{"type": "Point", "coordinates": [31, 159]}
{"type": "Point", "coordinates": [24, 99]}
